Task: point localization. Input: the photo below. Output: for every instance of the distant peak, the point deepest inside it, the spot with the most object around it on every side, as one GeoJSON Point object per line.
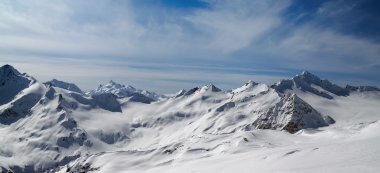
{"type": "Point", "coordinates": [362, 88]}
{"type": "Point", "coordinates": [64, 85]}
{"type": "Point", "coordinates": [212, 87]}
{"type": "Point", "coordinates": [114, 84]}
{"type": "Point", "coordinates": [308, 77]}
{"type": "Point", "coordinates": [182, 91]}
{"type": "Point", "coordinates": [306, 73]}
{"type": "Point", "coordinates": [250, 83]}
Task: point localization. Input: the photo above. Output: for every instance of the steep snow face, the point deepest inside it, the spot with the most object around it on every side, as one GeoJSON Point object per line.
{"type": "Point", "coordinates": [12, 82]}
{"type": "Point", "coordinates": [64, 85]}
{"type": "Point", "coordinates": [22, 104]}
{"type": "Point", "coordinates": [125, 91]}
{"type": "Point", "coordinates": [308, 82]}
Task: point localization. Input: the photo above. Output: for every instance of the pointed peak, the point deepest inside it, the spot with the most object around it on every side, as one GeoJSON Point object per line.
{"type": "Point", "coordinates": [211, 87]}
{"type": "Point", "coordinates": [307, 74]}
{"type": "Point", "coordinates": [181, 92]}
{"type": "Point", "coordinates": [250, 83]}
{"type": "Point", "coordinates": [114, 84]}
{"type": "Point", "coordinates": [178, 94]}
{"type": "Point", "coordinates": [8, 69]}
{"type": "Point", "coordinates": [308, 77]}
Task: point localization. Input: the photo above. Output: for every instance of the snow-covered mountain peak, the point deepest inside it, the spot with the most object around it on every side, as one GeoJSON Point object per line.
{"type": "Point", "coordinates": [12, 82]}
{"type": "Point", "coordinates": [121, 91]}
{"type": "Point", "coordinates": [249, 85]}
{"type": "Point", "coordinates": [306, 73]}
{"type": "Point", "coordinates": [308, 77]}
{"type": "Point", "coordinates": [64, 85]}
{"type": "Point", "coordinates": [115, 85]}
{"type": "Point", "coordinates": [210, 87]}
{"type": "Point", "coordinates": [308, 82]}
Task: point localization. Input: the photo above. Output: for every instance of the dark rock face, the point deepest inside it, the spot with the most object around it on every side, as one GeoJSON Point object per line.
{"type": "Point", "coordinates": [107, 101]}
{"type": "Point", "coordinates": [192, 91]}
{"type": "Point", "coordinates": [214, 88]}
{"type": "Point", "coordinates": [137, 97]}
{"type": "Point", "coordinates": [76, 136]}
{"type": "Point", "coordinates": [11, 83]}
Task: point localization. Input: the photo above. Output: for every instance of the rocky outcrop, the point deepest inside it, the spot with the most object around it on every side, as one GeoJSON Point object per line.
{"type": "Point", "coordinates": [291, 114]}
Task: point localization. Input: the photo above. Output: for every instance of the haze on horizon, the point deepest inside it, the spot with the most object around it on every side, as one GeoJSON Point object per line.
{"type": "Point", "coordinates": [166, 45]}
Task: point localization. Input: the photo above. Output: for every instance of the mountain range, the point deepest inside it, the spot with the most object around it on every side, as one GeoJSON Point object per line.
{"type": "Point", "coordinates": [289, 126]}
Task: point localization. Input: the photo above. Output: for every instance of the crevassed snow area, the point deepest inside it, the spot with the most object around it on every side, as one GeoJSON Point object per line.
{"type": "Point", "coordinates": [303, 124]}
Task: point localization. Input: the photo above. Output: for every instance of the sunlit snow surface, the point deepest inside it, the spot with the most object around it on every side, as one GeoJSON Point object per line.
{"type": "Point", "coordinates": [350, 145]}
{"type": "Point", "coordinates": [50, 129]}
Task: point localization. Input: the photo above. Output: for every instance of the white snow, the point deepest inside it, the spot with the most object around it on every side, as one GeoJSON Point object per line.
{"type": "Point", "coordinates": [52, 129]}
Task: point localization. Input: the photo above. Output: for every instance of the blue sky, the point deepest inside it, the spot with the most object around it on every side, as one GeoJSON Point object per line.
{"type": "Point", "coordinates": [166, 45]}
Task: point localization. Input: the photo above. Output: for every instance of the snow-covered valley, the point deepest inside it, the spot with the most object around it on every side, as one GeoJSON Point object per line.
{"type": "Point", "coordinates": [302, 124]}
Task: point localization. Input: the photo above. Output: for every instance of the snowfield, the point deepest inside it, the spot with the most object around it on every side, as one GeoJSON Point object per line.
{"type": "Point", "coordinates": [302, 124]}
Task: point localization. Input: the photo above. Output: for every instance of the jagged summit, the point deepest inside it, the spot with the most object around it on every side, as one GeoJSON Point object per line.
{"type": "Point", "coordinates": [114, 84]}
{"type": "Point", "coordinates": [64, 85]}
{"type": "Point", "coordinates": [308, 82]}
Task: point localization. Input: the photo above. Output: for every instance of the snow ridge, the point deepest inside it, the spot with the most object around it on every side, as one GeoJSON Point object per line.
{"type": "Point", "coordinates": [64, 85]}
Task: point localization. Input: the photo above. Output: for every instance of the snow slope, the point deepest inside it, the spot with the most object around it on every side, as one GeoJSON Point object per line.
{"type": "Point", "coordinates": [48, 128]}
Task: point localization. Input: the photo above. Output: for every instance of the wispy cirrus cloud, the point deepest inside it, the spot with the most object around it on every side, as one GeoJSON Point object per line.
{"type": "Point", "coordinates": [139, 41]}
